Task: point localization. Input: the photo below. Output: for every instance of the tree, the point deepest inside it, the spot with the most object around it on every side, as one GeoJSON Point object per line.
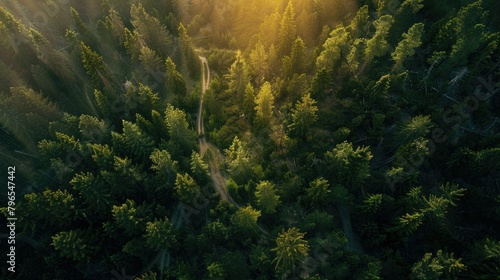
{"type": "Point", "coordinates": [377, 45]}
{"type": "Point", "coordinates": [129, 218]}
{"type": "Point", "coordinates": [360, 24]}
{"type": "Point", "coordinates": [245, 218]}
{"type": "Point", "coordinates": [407, 46]}
{"type": "Point", "coordinates": [350, 167]}
{"type": "Point", "coordinates": [304, 115]}
{"type": "Point", "coordinates": [78, 245]}
{"type": "Point", "coordinates": [238, 76]}
{"type": "Point", "coordinates": [266, 196]}
{"type": "Point", "coordinates": [175, 82]}
{"type": "Point", "coordinates": [318, 191]}
{"type": "Point", "coordinates": [150, 31]}
{"type": "Point", "coordinates": [240, 162]}
{"type": "Point", "coordinates": [287, 31]}
{"type": "Point", "coordinates": [258, 63]}
{"type": "Point", "coordinates": [165, 167]}
{"type": "Point", "coordinates": [134, 140]}
{"type": "Point", "coordinates": [60, 203]}
{"type": "Point", "coordinates": [413, 129]}
{"type": "Point", "coordinates": [264, 104]}
{"type": "Point", "coordinates": [132, 44]}
{"type": "Point", "coordinates": [189, 57]}
{"type": "Point", "coordinates": [334, 49]}
{"type": "Point", "coordinates": [442, 266]}
{"type": "Point", "coordinates": [199, 168]}
{"type": "Point", "coordinates": [178, 130]}
{"type": "Point", "coordinates": [160, 234]}
{"type": "Point", "coordinates": [291, 249]}
{"type": "Point", "coordinates": [299, 56]}
{"type": "Point", "coordinates": [248, 101]}
{"type": "Point", "coordinates": [95, 67]}
{"type": "Point", "coordinates": [186, 188]}
{"type": "Point", "coordinates": [216, 271]}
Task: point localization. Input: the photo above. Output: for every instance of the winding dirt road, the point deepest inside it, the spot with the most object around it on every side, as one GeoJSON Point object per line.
{"type": "Point", "coordinates": [215, 174]}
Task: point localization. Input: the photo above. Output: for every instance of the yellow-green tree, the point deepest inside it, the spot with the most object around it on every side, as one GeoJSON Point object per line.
{"type": "Point", "coordinates": [291, 249]}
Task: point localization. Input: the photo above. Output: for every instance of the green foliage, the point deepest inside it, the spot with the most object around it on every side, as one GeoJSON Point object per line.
{"type": "Point", "coordinates": [266, 196]}
{"type": "Point", "coordinates": [418, 126]}
{"type": "Point", "coordinates": [186, 188]}
{"type": "Point", "coordinates": [160, 234]}
{"type": "Point", "coordinates": [318, 191]}
{"type": "Point", "coordinates": [95, 66]}
{"type": "Point", "coordinates": [377, 45]}
{"type": "Point", "coordinates": [304, 115]}
{"type": "Point", "coordinates": [372, 203]}
{"type": "Point", "coordinates": [441, 266]}
{"type": "Point", "coordinates": [291, 249]}
{"type": "Point", "coordinates": [334, 49]}
{"type": "Point", "coordinates": [246, 218]}
{"type": "Point", "coordinates": [349, 166]}
{"type": "Point", "coordinates": [407, 46]}
{"type": "Point", "coordinates": [178, 128]}
{"type": "Point", "coordinates": [175, 82]}
{"type": "Point", "coordinates": [77, 245]}
{"type": "Point", "coordinates": [216, 271]}
{"type": "Point", "coordinates": [288, 30]}
{"type": "Point", "coordinates": [133, 139]}
{"type": "Point", "coordinates": [264, 104]}
{"type": "Point", "coordinates": [60, 203]}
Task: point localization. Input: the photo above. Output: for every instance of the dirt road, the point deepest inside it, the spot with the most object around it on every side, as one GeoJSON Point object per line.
{"type": "Point", "coordinates": [217, 178]}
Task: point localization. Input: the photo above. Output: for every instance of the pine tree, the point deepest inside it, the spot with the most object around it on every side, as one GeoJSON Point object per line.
{"type": "Point", "coordinates": [175, 82]}
{"type": "Point", "coordinates": [304, 115]}
{"type": "Point", "coordinates": [258, 62]}
{"type": "Point", "coordinates": [266, 196]}
{"type": "Point", "coordinates": [60, 203]}
{"type": "Point", "coordinates": [334, 49]}
{"type": "Point", "coordinates": [165, 167]}
{"type": "Point", "coordinates": [377, 45]}
{"type": "Point", "coordinates": [78, 245]}
{"type": "Point", "coordinates": [264, 104]}
{"type": "Point", "coordinates": [132, 44]}
{"type": "Point", "coordinates": [199, 168]}
{"type": "Point", "coordinates": [350, 167]}
{"type": "Point", "coordinates": [299, 57]}
{"type": "Point", "coordinates": [186, 188]}
{"type": "Point", "coordinates": [407, 46]}
{"type": "Point", "coordinates": [178, 130]}
{"type": "Point", "coordinates": [248, 101]}
{"type": "Point", "coordinates": [245, 218]}
{"type": "Point", "coordinates": [287, 31]}
{"type": "Point", "coordinates": [133, 140]}
{"type": "Point", "coordinates": [160, 234]}
{"type": "Point", "coordinates": [442, 266]}
{"type": "Point", "coordinates": [360, 24]}
{"type": "Point", "coordinates": [95, 66]}
{"type": "Point", "coordinates": [291, 249]}
{"type": "Point", "coordinates": [318, 191]}
{"type": "Point", "coordinates": [238, 76]}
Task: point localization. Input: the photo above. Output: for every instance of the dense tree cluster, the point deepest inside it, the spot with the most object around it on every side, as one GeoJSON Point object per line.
{"type": "Point", "coordinates": [342, 139]}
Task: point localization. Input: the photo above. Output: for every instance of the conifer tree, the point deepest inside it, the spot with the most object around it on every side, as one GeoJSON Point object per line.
{"type": "Point", "coordinates": [304, 115]}
{"type": "Point", "coordinates": [78, 245]}
{"type": "Point", "coordinates": [407, 46]}
{"type": "Point", "coordinates": [175, 82]}
{"type": "Point", "coordinates": [246, 218]}
{"type": "Point", "coordinates": [266, 196]}
{"type": "Point", "coordinates": [291, 249]}
{"type": "Point", "coordinates": [287, 31]}
{"type": "Point", "coordinates": [264, 104]}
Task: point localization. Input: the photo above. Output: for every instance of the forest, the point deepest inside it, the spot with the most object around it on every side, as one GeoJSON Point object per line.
{"type": "Point", "coordinates": [250, 139]}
